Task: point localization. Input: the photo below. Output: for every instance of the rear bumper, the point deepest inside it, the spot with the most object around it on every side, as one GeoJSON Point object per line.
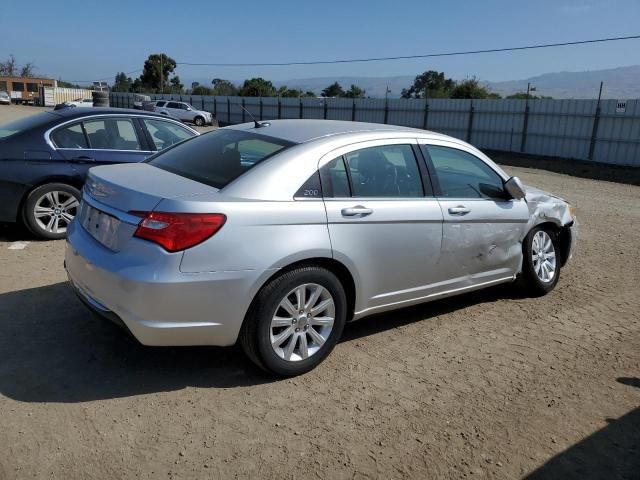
{"type": "Point", "coordinates": [159, 305]}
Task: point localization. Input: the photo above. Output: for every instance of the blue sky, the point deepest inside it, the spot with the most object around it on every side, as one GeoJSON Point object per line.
{"type": "Point", "coordinates": [78, 41]}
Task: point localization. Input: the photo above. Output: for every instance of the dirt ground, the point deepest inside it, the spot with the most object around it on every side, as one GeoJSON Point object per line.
{"type": "Point", "coordinates": [486, 385]}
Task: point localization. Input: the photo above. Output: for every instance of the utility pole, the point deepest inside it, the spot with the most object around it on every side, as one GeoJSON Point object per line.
{"type": "Point", "coordinates": [161, 75]}
{"type": "Point", "coordinates": [596, 122]}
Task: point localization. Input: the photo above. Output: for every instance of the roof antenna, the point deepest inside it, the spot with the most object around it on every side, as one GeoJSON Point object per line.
{"type": "Point", "coordinates": [256, 123]}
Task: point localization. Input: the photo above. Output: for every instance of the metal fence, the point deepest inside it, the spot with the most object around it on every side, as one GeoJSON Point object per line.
{"type": "Point", "coordinates": [607, 131]}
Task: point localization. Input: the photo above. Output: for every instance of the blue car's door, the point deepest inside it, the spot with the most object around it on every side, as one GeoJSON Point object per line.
{"type": "Point", "coordinates": [101, 140]}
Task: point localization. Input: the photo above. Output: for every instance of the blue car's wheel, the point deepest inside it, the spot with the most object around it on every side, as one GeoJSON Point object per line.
{"type": "Point", "coordinates": [50, 208]}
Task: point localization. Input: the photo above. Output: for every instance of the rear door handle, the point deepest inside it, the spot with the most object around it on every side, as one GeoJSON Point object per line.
{"type": "Point", "coordinates": [459, 210]}
{"type": "Point", "coordinates": [85, 159]}
{"type": "Point", "coordinates": [356, 211]}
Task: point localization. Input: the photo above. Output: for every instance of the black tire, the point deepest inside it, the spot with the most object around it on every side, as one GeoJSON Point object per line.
{"type": "Point", "coordinates": [100, 99]}
{"type": "Point", "coordinates": [199, 121]}
{"type": "Point", "coordinates": [256, 329]}
{"type": "Point", "coordinates": [36, 196]}
{"type": "Point", "coordinates": [528, 280]}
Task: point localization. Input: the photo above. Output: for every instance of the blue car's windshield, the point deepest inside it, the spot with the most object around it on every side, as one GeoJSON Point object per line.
{"type": "Point", "coordinates": [22, 125]}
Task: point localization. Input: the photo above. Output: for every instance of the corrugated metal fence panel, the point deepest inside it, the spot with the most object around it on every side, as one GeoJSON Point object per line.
{"type": "Point", "coordinates": [618, 140]}
{"type": "Point", "coordinates": [450, 117]}
{"type": "Point", "coordinates": [269, 108]}
{"type": "Point", "coordinates": [560, 128]}
{"type": "Point", "coordinates": [408, 113]}
{"type": "Point", "coordinates": [339, 108]}
{"type": "Point", "coordinates": [313, 107]}
{"type": "Point", "coordinates": [369, 110]}
{"type": "Point", "coordinates": [497, 124]}
{"type": "Point", "coordinates": [61, 94]}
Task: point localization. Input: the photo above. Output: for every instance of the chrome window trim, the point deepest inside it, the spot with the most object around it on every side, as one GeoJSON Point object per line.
{"type": "Point", "coordinates": [47, 134]}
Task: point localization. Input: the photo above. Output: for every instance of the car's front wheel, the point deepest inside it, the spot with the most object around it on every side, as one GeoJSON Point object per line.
{"type": "Point", "coordinates": [295, 321]}
{"type": "Point", "coordinates": [50, 208]}
{"type": "Point", "coordinates": [541, 262]}
{"type": "Point", "coordinates": [199, 121]}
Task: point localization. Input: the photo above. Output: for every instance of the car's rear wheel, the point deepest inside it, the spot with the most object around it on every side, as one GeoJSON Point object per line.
{"type": "Point", "coordinates": [50, 208]}
{"type": "Point", "coordinates": [199, 121]}
{"type": "Point", "coordinates": [541, 261]}
{"type": "Point", "coordinates": [295, 321]}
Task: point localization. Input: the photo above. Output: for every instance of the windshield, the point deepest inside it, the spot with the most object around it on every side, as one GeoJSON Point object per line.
{"type": "Point", "coordinates": [13, 128]}
{"type": "Point", "coordinates": [219, 157]}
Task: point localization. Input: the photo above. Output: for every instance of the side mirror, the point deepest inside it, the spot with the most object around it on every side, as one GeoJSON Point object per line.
{"type": "Point", "coordinates": [514, 187]}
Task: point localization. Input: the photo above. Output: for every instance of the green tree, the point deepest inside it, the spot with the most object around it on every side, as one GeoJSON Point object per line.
{"type": "Point", "coordinates": [223, 87]}
{"type": "Point", "coordinates": [284, 91]}
{"type": "Point", "coordinates": [333, 90]}
{"type": "Point", "coordinates": [155, 74]}
{"type": "Point", "coordinates": [63, 84]}
{"type": "Point", "coordinates": [200, 90]}
{"type": "Point", "coordinates": [175, 85]}
{"type": "Point", "coordinates": [309, 93]}
{"type": "Point", "coordinates": [257, 87]}
{"type": "Point", "coordinates": [354, 92]}
{"type": "Point", "coordinates": [470, 88]}
{"type": "Point", "coordinates": [429, 84]}
{"type": "Point", "coordinates": [523, 96]}
{"type": "Point", "coordinates": [122, 83]}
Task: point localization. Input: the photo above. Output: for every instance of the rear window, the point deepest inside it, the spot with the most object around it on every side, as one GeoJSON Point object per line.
{"type": "Point", "coordinates": [219, 157]}
{"type": "Point", "coordinates": [22, 125]}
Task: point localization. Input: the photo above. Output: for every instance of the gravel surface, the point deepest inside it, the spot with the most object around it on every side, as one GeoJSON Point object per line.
{"type": "Point", "coordinates": [485, 385]}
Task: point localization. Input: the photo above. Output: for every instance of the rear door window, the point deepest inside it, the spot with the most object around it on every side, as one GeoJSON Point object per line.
{"type": "Point", "coordinates": [164, 134]}
{"type": "Point", "coordinates": [335, 179]}
{"type": "Point", "coordinates": [70, 136]}
{"type": "Point", "coordinates": [112, 134]}
{"type": "Point", "coordinates": [385, 171]}
{"type": "Point", "coordinates": [217, 158]}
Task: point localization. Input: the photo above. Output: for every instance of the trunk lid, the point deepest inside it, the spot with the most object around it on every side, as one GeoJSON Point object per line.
{"type": "Point", "coordinates": [138, 186]}
{"type": "Point", "coordinates": [112, 191]}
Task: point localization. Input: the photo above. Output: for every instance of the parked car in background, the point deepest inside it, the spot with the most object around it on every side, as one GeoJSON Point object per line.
{"type": "Point", "coordinates": [81, 103]}
{"type": "Point", "coordinates": [139, 100]}
{"type": "Point", "coordinates": [5, 99]}
{"type": "Point", "coordinates": [44, 159]}
{"type": "Point", "coordinates": [184, 112]}
{"type": "Point", "coordinates": [276, 234]}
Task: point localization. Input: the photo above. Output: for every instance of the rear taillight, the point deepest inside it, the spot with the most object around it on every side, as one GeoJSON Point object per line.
{"type": "Point", "coordinates": [178, 231]}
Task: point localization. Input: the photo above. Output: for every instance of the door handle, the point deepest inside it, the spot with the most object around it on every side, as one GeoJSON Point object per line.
{"type": "Point", "coordinates": [85, 159]}
{"type": "Point", "coordinates": [459, 210]}
{"type": "Point", "coordinates": [357, 211]}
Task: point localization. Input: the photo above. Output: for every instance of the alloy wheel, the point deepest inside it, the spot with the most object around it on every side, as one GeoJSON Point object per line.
{"type": "Point", "coordinates": [302, 322]}
{"type": "Point", "coordinates": [543, 256]}
{"type": "Point", "coordinates": [54, 210]}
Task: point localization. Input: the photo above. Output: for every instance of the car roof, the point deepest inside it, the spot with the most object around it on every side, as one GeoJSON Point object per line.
{"type": "Point", "coordinates": [85, 112]}
{"type": "Point", "coordinates": [302, 131]}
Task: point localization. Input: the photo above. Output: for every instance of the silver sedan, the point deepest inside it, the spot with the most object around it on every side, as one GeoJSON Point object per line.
{"type": "Point", "coordinates": [275, 234]}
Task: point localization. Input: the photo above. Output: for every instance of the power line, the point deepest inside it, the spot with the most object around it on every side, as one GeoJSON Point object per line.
{"type": "Point", "coordinates": [107, 77]}
{"type": "Point", "coordinates": [408, 57]}
{"type": "Point", "coordinates": [383, 59]}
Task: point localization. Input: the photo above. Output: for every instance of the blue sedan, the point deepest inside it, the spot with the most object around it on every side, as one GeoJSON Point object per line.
{"type": "Point", "coordinates": [44, 159]}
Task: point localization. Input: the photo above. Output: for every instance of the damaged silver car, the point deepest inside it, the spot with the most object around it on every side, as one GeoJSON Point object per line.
{"type": "Point", "coordinates": [274, 234]}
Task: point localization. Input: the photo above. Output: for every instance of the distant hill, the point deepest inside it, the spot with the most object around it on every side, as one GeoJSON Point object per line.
{"type": "Point", "coordinates": [619, 83]}
{"type": "Point", "coordinates": [622, 83]}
